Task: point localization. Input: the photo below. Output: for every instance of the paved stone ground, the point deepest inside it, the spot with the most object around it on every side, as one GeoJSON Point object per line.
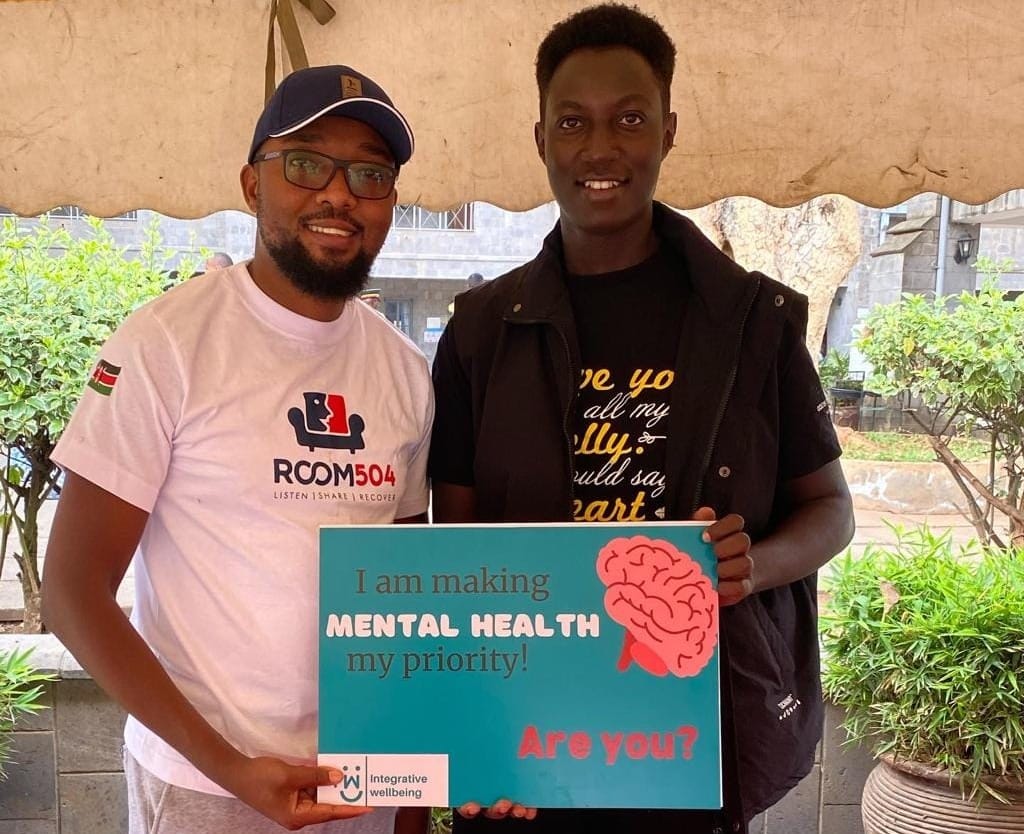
{"type": "Point", "coordinates": [873, 526]}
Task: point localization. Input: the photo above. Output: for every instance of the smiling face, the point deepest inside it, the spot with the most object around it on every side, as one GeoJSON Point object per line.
{"type": "Point", "coordinates": [602, 137]}
{"type": "Point", "coordinates": [324, 242]}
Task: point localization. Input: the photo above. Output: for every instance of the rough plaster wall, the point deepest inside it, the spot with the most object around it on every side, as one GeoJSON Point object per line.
{"type": "Point", "coordinates": [121, 104]}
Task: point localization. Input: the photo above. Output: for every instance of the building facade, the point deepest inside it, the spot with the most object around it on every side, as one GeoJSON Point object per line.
{"type": "Point", "coordinates": [430, 257]}
{"type": "Point", "coordinates": [901, 254]}
{"type": "Point", "coordinates": [427, 260]}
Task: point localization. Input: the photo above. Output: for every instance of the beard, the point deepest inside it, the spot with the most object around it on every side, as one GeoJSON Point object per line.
{"type": "Point", "coordinates": [333, 282]}
{"type": "Point", "coordinates": [328, 283]}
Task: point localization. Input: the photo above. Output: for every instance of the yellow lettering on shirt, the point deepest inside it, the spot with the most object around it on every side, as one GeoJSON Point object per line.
{"type": "Point", "coordinates": [597, 378]}
{"type": "Point", "coordinates": [605, 511]}
{"type": "Point", "coordinates": [644, 378]}
{"type": "Point", "coordinates": [599, 439]}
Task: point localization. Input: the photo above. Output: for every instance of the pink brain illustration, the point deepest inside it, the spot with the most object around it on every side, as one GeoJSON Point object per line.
{"type": "Point", "coordinates": [665, 602]}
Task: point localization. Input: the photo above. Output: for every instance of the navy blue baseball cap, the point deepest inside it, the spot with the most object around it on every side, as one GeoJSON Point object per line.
{"type": "Point", "coordinates": [307, 94]}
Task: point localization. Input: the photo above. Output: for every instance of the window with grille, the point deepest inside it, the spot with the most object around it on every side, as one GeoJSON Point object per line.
{"type": "Point", "coordinates": [415, 217]}
{"type": "Point", "coordinates": [889, 218]}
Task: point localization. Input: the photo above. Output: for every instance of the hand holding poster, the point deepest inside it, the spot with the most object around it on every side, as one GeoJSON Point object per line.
{"type": "Point", "coordinates": [558, 665]}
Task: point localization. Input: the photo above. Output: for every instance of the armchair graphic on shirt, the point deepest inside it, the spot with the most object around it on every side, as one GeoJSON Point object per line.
{"type": "Point", "coordinates": [325, 424]}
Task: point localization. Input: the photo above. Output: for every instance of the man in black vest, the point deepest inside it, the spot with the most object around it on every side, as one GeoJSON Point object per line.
{"type": "Point", "coordinates": [631, 325]}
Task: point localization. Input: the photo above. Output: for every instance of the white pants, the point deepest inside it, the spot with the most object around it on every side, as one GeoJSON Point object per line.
{"type": "Point", "coordinates": [154, 807]}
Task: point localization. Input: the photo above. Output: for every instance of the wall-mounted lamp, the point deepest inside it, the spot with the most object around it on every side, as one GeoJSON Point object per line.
{"type": "Point", "coordinates": [964, 249]}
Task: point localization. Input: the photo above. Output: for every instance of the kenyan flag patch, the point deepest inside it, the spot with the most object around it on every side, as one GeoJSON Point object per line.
{"type": "Point", "coordinates": [104, 378]}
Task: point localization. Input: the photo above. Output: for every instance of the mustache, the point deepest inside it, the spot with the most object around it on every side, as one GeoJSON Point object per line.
{"type": "Point", "coordinates": [330, 214]}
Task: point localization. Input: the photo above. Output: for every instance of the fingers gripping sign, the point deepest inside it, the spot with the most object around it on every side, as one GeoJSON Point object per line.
{"type": "Point", "coordinates": [287, 793]}
{"type": "Point", "coordinates": [732, 549]}
{"type": "Point", "coordinates": [500, 810]}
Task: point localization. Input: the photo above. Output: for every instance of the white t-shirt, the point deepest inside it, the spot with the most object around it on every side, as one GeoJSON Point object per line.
{"type": "Point", "coordinates": [241, 427]}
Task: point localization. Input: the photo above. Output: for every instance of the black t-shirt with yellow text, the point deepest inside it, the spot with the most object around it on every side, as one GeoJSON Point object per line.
{"type": "Point", "coordinates": [627, 324]}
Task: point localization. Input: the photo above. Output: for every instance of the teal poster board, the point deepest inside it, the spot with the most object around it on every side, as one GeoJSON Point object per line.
{"type": "Point", "coordinates": [566, 665]}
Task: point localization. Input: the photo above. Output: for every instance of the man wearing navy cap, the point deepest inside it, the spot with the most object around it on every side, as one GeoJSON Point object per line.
{"type": "Point", "coordinates": [225, 421]}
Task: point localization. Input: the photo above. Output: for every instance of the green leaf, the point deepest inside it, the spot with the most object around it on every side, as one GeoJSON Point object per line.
{"type": "Point", "coordinates": [61, 298]}
{"type": "Point", "coordinates": [924, 648]}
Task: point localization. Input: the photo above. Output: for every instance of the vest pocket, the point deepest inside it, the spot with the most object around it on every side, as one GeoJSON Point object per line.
{"type": "Point", "coordinates": [762, 666]}
{"type": "Point", "coordinates": [780, 649]}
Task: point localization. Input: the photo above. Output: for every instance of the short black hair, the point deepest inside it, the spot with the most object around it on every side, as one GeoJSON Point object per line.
{"type": "Point", "coordinates": [607, 26]}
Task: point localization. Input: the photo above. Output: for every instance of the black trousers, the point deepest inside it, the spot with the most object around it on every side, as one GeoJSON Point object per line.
{"type": "Point", "coordinates": [600, 821]}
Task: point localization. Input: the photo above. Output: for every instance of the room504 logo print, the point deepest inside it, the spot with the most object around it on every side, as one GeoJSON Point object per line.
{"type": "Point", "coordinates": [326, 424]}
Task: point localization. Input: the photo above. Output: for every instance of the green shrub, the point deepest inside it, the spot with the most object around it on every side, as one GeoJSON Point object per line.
{"type": "Point", "coordinates": [924, 649]}
{"type": "Point", "coordinates": [963, 357]}
{"type": "Point", "coordinates": [61, 297]}
{"type": "Point", "coordinates": [21, 687]}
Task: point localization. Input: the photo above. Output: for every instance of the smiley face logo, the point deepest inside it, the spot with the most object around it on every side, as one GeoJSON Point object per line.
{"type": "Point", "coordinates": [353, 780]}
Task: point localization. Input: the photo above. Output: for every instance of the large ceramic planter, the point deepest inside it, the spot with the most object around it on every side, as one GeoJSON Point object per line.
{"type": "Point", "coordinates": [910, 798]}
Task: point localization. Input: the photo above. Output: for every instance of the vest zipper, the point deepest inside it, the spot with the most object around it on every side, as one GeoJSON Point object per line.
{"type": "Point", "coordinates": [568, 409]}
{"type": "Point", "coordinates": [565, 425]}
{"type": "Point", "coordinates": [722, 405]}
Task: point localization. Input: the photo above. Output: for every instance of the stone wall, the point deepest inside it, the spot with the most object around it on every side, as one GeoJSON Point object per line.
{"type": "Point", "coordinates": [66, 777]}
{"type": "Point", "coordinates": [1006, 242]}
{"type": "Point", "coordinates": [898, 487]}
{"type": "Point", "coordinates": [427, 298]}
{"type": "Point", "coordinates": [498, 241]}
{"type": "Point", "coordinates": [881, 280]}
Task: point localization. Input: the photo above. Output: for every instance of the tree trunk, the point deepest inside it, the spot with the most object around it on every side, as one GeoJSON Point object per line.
{"type": "Point", "coordinates": [28, 559]}
{"type": "Point", "coordinates": [811, 247]}
{"type": "Point", "coordinates": [32, 621]}
{"type": "Point", "coordinates": [969, 481]}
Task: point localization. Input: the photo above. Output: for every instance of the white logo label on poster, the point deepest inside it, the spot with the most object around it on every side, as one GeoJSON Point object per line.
{"type": "Point", "coordinates": [385, 780]}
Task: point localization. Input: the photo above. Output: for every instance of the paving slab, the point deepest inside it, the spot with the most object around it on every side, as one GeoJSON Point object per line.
{"type": "Point", "coordinates": [39, 722]}
{"type": "Point", "coordinates": [842, 819]}
{"type": "Point", "coordinates": [10, 567]}
{"type": "Point", "coordinates": [30, 790]}
{"type": "Point", "coordinates": [91, 803]}
{"type": "Point", "coordinates": [28, 826]}
{"type": "Point", "coordinates": [90, 727]}
{"type": "Point", "coordinates": [845, 766]}
{"type": "Point", "coordinates": [797, 811]}
{"type": "Point", "coordinates": [11, 601]}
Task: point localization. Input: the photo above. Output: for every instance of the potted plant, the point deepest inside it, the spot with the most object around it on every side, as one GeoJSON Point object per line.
{"type": "Point", "coordinates": [924, 648]}
{"type": "Point", "coordinates": [845, 390]}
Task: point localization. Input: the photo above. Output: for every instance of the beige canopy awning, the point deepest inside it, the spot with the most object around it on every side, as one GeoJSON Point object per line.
{"type": "Point", "coordinates": [121, 104]}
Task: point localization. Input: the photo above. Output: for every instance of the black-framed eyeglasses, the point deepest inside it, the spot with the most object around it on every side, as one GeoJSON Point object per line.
{"type": "Point", "coordinates": [313, 170]}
